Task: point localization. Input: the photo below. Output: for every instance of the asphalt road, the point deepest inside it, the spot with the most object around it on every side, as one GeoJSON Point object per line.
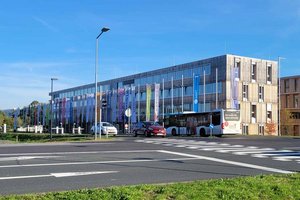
{"type": "Point", "coordinates": [31, 168]}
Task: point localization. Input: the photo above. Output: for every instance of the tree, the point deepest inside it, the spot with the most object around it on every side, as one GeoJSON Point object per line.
{"type": "Point", "coordinates": [271, 128]}
{"type": "Point", "coordinates": [34, 103]}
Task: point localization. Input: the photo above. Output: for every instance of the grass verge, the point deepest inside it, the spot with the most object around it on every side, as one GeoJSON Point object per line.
{"type": "Point", "coordinates": [262, 187]}
{"type": "Point", "coordinates": [35, 137]}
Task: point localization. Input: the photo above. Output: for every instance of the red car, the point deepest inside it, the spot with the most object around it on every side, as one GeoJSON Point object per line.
{"type": "Point", "coordinates": [149, 129]}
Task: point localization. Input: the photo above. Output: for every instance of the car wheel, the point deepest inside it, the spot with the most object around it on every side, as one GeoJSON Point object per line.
{"type": "Point", "coordinates": [173, 131]}
{"type": "Point", "coordinates": [147, 134]}
{"type": "Point", "coordinates": [202, 133]}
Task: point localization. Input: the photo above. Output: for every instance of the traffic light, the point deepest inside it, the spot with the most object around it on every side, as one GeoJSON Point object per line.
{"type": "Point", "coordinates": [104, 103]}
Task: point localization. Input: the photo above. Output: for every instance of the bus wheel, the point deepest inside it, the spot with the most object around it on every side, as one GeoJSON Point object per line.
{"type": "Point", "coordinates": [202, 132]}
{"type": "Point", "coordinates": [173, 132]}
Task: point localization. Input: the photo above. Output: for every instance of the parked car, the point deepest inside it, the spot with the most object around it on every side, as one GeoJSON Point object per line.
{"type": "Point", "coordinates": [106, 128]}
{"type": "Point", "coordinates": [149, 129]}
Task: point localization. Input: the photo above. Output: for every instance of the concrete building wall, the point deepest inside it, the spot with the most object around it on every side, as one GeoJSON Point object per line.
{"type": "Point", "coordinates": [254, 78]}
{"type": "Point", "coordinates": [290, 105]}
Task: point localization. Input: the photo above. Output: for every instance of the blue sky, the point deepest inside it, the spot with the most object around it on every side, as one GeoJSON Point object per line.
{"type": "Point", "coordinates": [43, 39]}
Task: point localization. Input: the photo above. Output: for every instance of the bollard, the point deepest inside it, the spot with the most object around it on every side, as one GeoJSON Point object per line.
{"type": "Point", "coordinates": [41, 129]}
{"type": "Point", "coordinates": [4, 128]}
{"type": "Point", "coordinates": [73, 130]}
{"type": "Point", "coordinates": [79, 130]}
{"type": "Point", "coordinates": [62, 131]}
{"type": "Point", "coordinates": [35, 129]}
{"type": "Point", "coordinates": [57, 130]}
{"type": "Point", "coordinates": [28, 129]}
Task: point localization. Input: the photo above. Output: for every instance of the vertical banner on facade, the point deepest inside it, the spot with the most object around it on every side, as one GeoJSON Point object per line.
{"type": "Point", "coordinates": [87, 113]}
{"type": "Point", "coordinates": [16, 114]}
{"type": "Point", "coordinates": [44, 114]}
{"type": "Point", "coordinates": [83, 105]}
{"type": "Point", "coordinates": [77, 110]}
{"type": "Point", "coordinates": [148, 102]}
{"type": "Point", "coordinates": [156, 102]}
{"type": "Point", "coordinates": [114, 105]}
{"type": "Point", "coordinates": [120, 104]}
{"type": "Point", "coordinates": [48, 114]}
{"type": "Point", "coordinates": [63, 110]}
{"type": "Point", "coordinates": [234, 86]}
{"type": "Point", "coordinates": [133, 105]}
{"type": "Point", "coordinates": [196, 92]}
{"type": "Point", "coordinates": [71, 111]}
{"type": "Point", "coordinates": [38, 114]}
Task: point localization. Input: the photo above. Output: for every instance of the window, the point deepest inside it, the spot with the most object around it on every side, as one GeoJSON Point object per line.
{"type": "Point", "coordinates": [286, 86]}
{"type": "Point", "coordinates": [269, 116]}
{"type": "Point", "coordinates": [237, 72]}
{"type": "Point", "coordinates": [261, 129]}
{"type": "Point", "coordinates": [245, 92]}
{"type": "Point", "coordinates": [269, 74]}
{"type": "Point", "coordinates": [296, 101]}
{"type": "Point", "coordinates": [253, 113]}
{"type": "Point", "coordinates": [260, 93]}
{"type": "Point", "coordinates": [245, 129]}
{"type": "Point", "coordinates": [253, 72]}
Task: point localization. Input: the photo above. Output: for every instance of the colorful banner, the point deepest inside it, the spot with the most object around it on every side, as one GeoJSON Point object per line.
{"type": "Point", "coordinates": [114, 105]}
{"type": "Point", "coordinates": [38, 114]}
{"type": "Point", "coordinates": [148, 102]}
{"type": "Point", "coordinates": [156, 102]}
{"type": "Point", "coordinates": [120, 104]}
{"type": "Point", "coordinates": [133, 105]}
{"type": "Point", "coordinates": [71, 110]}
{"type": "Point", "coordinates": [196, 92]}
{"type": "Point", "coordinates": [44, 114]}
{"type": "Point", "coordinates": [16, 114]}
{"type": "Point", "coordinates": [235, 88]}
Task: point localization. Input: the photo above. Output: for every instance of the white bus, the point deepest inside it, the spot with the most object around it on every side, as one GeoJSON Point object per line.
{"type": "Point", "coordinates": [218, 122]}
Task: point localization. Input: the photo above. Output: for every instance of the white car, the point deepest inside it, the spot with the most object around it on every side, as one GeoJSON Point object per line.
{"type": "Point", "coordinates": [106, 128]}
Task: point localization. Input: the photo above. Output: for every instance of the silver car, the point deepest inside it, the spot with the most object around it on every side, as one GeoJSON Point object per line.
{"type": "Point", "coordinates": [106, 129]}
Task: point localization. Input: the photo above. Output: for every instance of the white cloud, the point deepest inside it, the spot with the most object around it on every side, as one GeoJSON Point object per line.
{"type": "Point", "coordinates": [45, 24]}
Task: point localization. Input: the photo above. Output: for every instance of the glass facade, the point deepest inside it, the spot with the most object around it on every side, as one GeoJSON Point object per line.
{"type": "Point", "coordinates": [175, 94]}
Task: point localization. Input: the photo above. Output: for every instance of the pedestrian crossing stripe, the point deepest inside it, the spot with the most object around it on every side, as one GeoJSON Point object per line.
{"type": "Point", "coordinates": [275, 154]}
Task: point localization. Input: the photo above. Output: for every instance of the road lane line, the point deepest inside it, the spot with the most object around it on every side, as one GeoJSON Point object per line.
{"type": "Point", "coordinates": [26, 158]}
{"type": "Point", "coordinates": [95, 162]}
{"type": "Point", "coordinates": [76, 152]}
{"type": "Point", "coordinates": [58, 175]}
{"type": "Point", "coordinates": [229, 162]}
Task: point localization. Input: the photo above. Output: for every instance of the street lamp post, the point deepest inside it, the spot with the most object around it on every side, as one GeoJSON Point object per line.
{"type": "Point", "coordinates": [51, 118]}
{"type": "Point", "coordinates": [96, 71]}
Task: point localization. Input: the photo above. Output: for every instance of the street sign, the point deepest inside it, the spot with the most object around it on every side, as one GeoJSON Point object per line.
{"type": "Point", "coordinates": [128, 112]}
{"type": "Point", "coordinates": [211, 126]}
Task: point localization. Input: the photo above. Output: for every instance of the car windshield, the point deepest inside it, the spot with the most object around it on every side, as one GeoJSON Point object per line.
{"type": "Point", "coordinates": [152, 124]}
{"type": "Point", "coordinates": [106, 124]}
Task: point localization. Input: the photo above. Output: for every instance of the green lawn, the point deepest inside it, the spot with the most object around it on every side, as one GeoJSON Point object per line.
{"type": "Point", "coordinates": [272, 187]}
{"type": "Point", "coordinates": [38, 137]}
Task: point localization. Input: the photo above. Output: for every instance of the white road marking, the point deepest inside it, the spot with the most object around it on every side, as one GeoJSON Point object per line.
{"type": "Point", "coordinates": [286, 158]}
{"type": "Point", "coordinates": [96, 162]}
{"type": "Point", "coordinates": [272, 153]}
{"type": "Point", "coordinates": [58, 175]}
{"type": "Point", "coordinates": [26, 158]}
{"type": "Point", "coordinates": [75, 152]}
{"type": "Point", "coordinates": [279, 155]}
{"type": "Point", "coordinates": [229, 162]}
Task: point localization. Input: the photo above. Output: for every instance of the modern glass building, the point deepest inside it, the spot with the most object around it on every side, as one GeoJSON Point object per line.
{"type": "Point", "coordinates": [227, 81]}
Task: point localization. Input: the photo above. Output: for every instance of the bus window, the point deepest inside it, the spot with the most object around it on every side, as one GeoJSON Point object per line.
{"type": "Point", "coordinates": [216, 118]}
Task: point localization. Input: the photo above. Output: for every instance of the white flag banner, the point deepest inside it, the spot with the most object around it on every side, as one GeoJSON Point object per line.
{"type": "Point", "coordinates": [156, 102]}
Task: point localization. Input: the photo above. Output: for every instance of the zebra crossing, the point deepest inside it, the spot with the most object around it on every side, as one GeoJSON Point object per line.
{"type": "Point", "coordinates": [275, 154]}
